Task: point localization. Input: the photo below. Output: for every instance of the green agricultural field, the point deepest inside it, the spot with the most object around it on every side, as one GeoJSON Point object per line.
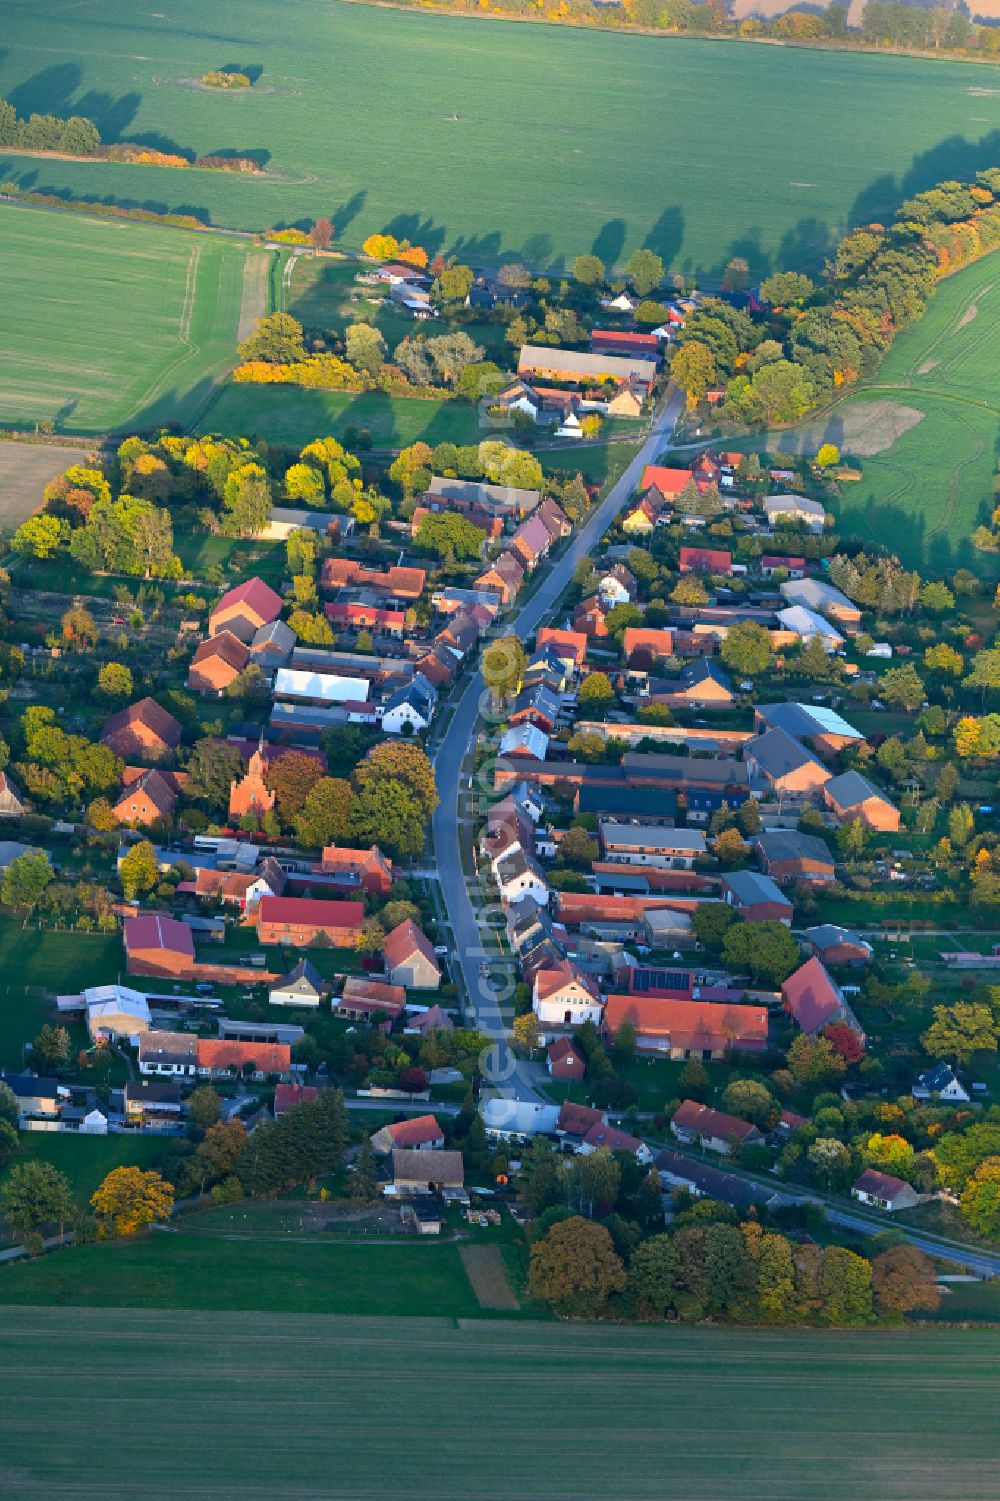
{"type": "Point", "coordinates": [487, 137]}
{"type": "Point", "coordinates": [112, 324]}
{"type": "Point", "coordinates": [259, 1406]}
{"type": "Point", "coordinates": [925, 431]}
{"type": "Point", "coordinates": [32, 962]}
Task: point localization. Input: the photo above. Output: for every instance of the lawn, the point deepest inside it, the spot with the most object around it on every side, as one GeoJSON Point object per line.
{"type": "Point", "coordinates": [86, 1160]}
{"type": "Point", "coordinates": [926, 486]}
{"type": "Point", "coordinates": [487, 138]}
{"type": "Point", "coordinates": [112, 324]}
{"type": "Point", "coordinates": [253, 1405]}
{"type": "Point", "coordinates": [315, 1275]}
{"type": "Point", "coordinates": [33, 962]}
{"type": "Point", "coordinates": [292, 416]}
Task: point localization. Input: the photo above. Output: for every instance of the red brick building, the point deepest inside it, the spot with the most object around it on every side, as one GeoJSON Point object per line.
{"type": "Point", "coordinates": [157, 945]}
{"type": "Point", "coordinates": [300, 921]}
{"type": "Point", "coordinates": [251, 793]}
{"type": "Point", "coordinates": [217, 663]}
{"type": "Point", "coordinates": [369, 869]}
{"type": "Point", "coordinates": [243, 610]}
{"type": "Point", "coordinates": [143, 732]}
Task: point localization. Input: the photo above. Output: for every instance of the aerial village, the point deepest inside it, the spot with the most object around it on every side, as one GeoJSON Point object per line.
{"type": "Point", "coordinates": [727, 785]}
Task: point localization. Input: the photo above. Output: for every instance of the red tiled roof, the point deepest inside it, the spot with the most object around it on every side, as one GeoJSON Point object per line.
{"type": "Point", "coordinates": [288, 1096]}
{"type": "Point", "coordinates": [311, 912]}
{"type": "Point", "coordinates": [225, 646]}
{"type": "Point", "coordinates": [564, 643]}
{"type": "Point", "coordinates": [257, 597]}
{"type": "Point", "coordinates": [266, 1057]}
{"type": "Point", "coordinates": [633, 340]}
{"type": "Point", "coordinates": [694, 1117]}
{"type": "Point", "coordinates": [577, 1120]}
{"type": "Point", "coordinates": [713, 558]}
{"type": "Point", "coordinates": [151, 930]}
{"type": "Point", "coordinates": [669, 482]}
{"type": "Point", "coordinates": [688, 1024]}
{"type": "Point", "coordinates": [881, 1185]}
{"type": "Point", "coordinates": [611, 1139]}
{"type": "Point", "coordinates": [415, 1132]}
{"type": "Point", "coordinates": [811, 996]}
{"type": "Point", "coordinates": [148, 713]}
{"type": "Point", "coordinates": [562, 1047]}
{"type": "Point", "coordinates": [379, 992]}
{"type": "Point", "coordinates": [552, 979]}
{"type": "Point", "coordinates": [406, 939]}
{"type": "Point", "coordinates": [659, 641]}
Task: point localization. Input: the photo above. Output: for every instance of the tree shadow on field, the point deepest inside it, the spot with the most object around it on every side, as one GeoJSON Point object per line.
{"type": "Point", "coordinates": [480, 250]}
{"type": "Point", "coordinates": [177, 410]}
{"type": "Point", "coordinates": [806, 246]}
{"type": "Point", "coordinates": [113, 116]}
{"type": "Point", "coordinates": [609, 242]}
{"type": "Point", "coordinates": [667, 236]}
{"type": "Point", "coordinates": [49, 92]}
{"type": "Point", "coordinates": [746, 247]}
{"type": "Point", "coordinates": [537, 251]}
{"type": "Point", "coordinates": [253, 71]}
{"type": "Point", "coordinates": [955, 158]}
{"type": "Point", "coordinates": [345, 213]}
{"type": "Point", "coordinates": [418, 230]}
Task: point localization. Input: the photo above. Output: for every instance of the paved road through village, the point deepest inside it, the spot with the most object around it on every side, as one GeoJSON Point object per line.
{"type": "Point", "coordinates": [461, 898]}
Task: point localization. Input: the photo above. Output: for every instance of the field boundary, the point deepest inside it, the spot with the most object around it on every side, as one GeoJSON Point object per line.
{"type": "Point", "coordinates": [488, 1278]}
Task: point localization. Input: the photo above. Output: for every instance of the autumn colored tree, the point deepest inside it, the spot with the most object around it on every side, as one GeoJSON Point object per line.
{"type": "Point", "coordinates": [381, 247]}
{"type": "Point", "coordinates": [321, 233]}
{"type": "Point", "coordinates": [130, 1199]}
{"type": "Point", "coordinates": [693, 369]}
{"type": "Point", "coordinates": [291, 777]}
{"type": "Point", "coordinates": [845, 1041]}
{"type": "Point", "coordinates": [526, 1031]}
{"type": "Point", "coordinates": [400, 762]}
{"type": "Point", "coordinates": [575, 1268]}
{"type": "Point", "coordinates": [981, 1198]}
{"type": "Point", "coordinates": [904, 1280]}
{"type": "Point", "coordinates": [503, 663]}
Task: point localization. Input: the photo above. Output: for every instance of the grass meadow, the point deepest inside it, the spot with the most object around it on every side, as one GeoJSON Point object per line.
{"type": "Point", "coordinates": [926, 431]}
{"type": "Point", "coordinates": [107, 324]}
{"type": "Point", "coordinates": [488, 138]}
{"type": "Point", "coordinates": [252, 1406]}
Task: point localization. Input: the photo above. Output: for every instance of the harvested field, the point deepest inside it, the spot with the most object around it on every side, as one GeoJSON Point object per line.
{"type": "Point", "coordinates": [25, 470]}
{"type": "Point", "coordinates": [278, 1407]}
{"type": "Point", "coordinates": [485, 1270]}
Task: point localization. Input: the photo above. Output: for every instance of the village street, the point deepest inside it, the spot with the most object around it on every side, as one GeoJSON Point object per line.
{"type": "Point", "coordinates": [471, 944]}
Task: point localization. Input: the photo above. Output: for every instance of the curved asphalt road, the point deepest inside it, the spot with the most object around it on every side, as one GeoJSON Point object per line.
{"type": "Point", "coordinates": [456, 813]}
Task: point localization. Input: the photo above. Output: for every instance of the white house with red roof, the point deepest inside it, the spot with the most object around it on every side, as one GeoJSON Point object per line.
{"type": "Point", "coordinates": [563, 998]}
{"type": "Point", "coordinates": [422, 1134]}
{"type": "Point", "coordinates": [410, 959]}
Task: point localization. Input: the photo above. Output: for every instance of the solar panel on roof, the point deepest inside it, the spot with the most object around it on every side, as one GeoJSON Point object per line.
{"type": "Point", "coordinates": [645, 980]}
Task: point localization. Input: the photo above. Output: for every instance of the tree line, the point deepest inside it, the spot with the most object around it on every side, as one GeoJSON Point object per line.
{"type": "Point", "coordinates": [815, 338]}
